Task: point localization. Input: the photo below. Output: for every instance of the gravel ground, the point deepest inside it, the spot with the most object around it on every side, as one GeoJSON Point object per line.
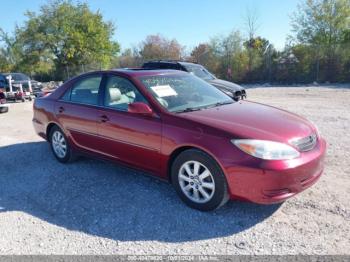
{"type": "Point", "coordinates": [93, 207]}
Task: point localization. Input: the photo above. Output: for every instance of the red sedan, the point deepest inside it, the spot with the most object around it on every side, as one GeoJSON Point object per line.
{"type": "Point", "coordinates": [183, 130]}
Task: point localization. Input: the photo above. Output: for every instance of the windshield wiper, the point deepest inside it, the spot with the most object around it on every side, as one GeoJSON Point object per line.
{"type": "Point", "coordinates": [189, 109]}
{"type": "Point", "coordinates": [220, 104]}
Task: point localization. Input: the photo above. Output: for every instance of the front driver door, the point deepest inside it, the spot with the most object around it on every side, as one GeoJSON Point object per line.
{"type": "Point", "coordinates": [132, 138]}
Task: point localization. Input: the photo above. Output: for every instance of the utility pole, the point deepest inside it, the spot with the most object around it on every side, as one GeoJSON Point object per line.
{"type": "Point", "coordinates": [268, 51]}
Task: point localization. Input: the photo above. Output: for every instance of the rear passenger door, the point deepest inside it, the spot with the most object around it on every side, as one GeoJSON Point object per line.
{"type": "Point", "coordinates": [77, 110]}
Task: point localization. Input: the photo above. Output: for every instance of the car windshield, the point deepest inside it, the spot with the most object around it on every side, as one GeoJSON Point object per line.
{"type": "Point", "coordinates": [199, 71]}
{"type": "Point", "coordinates": [183, 93]}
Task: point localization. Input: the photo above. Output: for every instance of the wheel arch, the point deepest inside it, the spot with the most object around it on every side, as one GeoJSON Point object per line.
{"type": "Point", "coordinates": [49, 128]}
{"type": "Point", "coordinates": [177, 151]}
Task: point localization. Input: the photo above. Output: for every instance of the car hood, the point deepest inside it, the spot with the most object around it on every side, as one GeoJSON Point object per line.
{"type": "Point", "coordinates": [225, 85]}
{"type": "Point", "coordinates": [252, 120]}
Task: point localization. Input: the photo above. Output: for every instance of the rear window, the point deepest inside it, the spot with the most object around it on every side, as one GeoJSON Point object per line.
{"type": "Point", "coordinates": [161, 65]}
{"type": "Point", "coordinates": [200, 72]}
{"type": "Point", "coordinates": [85, 91]}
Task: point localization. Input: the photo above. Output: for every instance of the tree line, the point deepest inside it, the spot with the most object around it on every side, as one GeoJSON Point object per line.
{"type": "Point", "coordinates": [64, 39]}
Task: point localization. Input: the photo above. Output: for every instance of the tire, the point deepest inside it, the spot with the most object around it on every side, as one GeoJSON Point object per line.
{"type": "Point", "coordinates": [208, 173]}
{"type": "Point", "coordinates": [58, 139]}
{"type": "Point", "coordinates": [4, 109]}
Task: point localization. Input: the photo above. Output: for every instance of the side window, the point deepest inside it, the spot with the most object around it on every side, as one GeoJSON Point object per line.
{"type": "Point", "coordinates": [120, 92]}
{"type": "Point", "coordinates": [66, 96]}
{"type": "Point", "coordinates": [84, 91]}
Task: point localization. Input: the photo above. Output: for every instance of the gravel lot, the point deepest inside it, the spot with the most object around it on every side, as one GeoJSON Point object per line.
{"type": "Point", "coordinates": [93, 207]}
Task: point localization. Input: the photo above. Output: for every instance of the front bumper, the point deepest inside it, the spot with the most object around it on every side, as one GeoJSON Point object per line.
{"type": "Point", "coordinates": [276, 181]}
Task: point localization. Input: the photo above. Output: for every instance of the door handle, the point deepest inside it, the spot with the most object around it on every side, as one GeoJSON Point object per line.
{"type": "Point", "coordinates": [61, 109]}
{"type": "Point", "coordinates": [104, 118]}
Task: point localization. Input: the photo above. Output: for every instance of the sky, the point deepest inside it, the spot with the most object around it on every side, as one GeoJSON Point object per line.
{"type": "Point", "coordinates": [189, 21]}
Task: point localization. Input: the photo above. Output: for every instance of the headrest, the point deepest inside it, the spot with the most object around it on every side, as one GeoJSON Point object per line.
{"type": "Point", "coordinates": [163, 102]}
{"type": "Point", "coordinates": [130, 94]}
{"type": "Point", "coordinates": [114, 94]}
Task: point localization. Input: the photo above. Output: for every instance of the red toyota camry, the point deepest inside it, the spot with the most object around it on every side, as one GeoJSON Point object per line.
{"type": "Point", "coordinates": [183, 130]}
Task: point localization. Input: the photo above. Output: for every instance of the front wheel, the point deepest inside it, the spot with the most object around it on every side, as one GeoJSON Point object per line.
{"type": "Point", "coordinates": [59, 145]}
{"type": "Point", "coordinates": [199, 180]}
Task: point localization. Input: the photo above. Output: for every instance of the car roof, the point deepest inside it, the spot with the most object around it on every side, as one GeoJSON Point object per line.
{"type": "Point", "coordinates": [137, 72]}
{"type": "Point", "coordinates": [171, 62]}
{"type": "Point", "coordinates": [13, 73]}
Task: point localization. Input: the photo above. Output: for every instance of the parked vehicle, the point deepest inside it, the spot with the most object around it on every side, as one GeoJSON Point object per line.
{"type": "Point", "coordinates": [3, 106]}
{"type": "Point", "coordinates": [18, 87]}
{"type": "Point", "coordinates": [36, 86]}
{"type": "Point", "coordinates": [3, 83]}
{"type": "Point", "coordinates": [18, 93]}
{"type": "Point", "coordinates": [235, 91]}
{"type": "Point", "coordinates": [183, 130]}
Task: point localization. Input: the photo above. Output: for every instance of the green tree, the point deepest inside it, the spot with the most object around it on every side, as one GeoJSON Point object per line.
{"type": "Point", "coordinates": [226, 55]}
{"type": "Point", "coordinates": [259, 52]}
{"type": "Point", "coordinates": [8, 54]}
{"type": "Point", "coordinates": [323, 24]}
{"type": "Point", "coordinates": [63, 35]}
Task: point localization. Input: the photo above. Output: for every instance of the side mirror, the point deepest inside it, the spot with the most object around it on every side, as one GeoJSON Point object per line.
{"type": "Point", "coordinates": [140, 108]}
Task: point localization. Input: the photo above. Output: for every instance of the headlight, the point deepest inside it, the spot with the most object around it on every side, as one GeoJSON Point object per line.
{"type": "Point", "coordinates": [264, 149]}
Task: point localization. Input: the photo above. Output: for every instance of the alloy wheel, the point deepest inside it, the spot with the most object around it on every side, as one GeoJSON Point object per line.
{"type": "Point", "coordinates": [196, 182]}
{"type": "Point", "coordinates": [59, 144]}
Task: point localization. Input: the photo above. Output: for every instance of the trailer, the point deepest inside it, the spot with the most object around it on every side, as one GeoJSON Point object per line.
{"type": "Point", "coordinates": [18, 90]}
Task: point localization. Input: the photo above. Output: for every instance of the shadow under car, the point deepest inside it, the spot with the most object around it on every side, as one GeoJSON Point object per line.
{"type": "Point", "coordinates": [109, 200]}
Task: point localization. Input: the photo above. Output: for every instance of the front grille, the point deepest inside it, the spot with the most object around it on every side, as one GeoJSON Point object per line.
{"type": "Point", "coordinates": [306, 143]}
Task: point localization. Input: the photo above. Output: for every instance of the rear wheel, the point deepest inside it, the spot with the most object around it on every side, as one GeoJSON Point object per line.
{"type": "Point", "coordinates": [199, 180]}
{"type": "Point", "coordinates": [60, 146]}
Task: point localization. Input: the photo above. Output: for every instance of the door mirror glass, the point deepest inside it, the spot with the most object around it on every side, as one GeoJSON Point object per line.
{"type": "Point", "coordinates": [140, 108]}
